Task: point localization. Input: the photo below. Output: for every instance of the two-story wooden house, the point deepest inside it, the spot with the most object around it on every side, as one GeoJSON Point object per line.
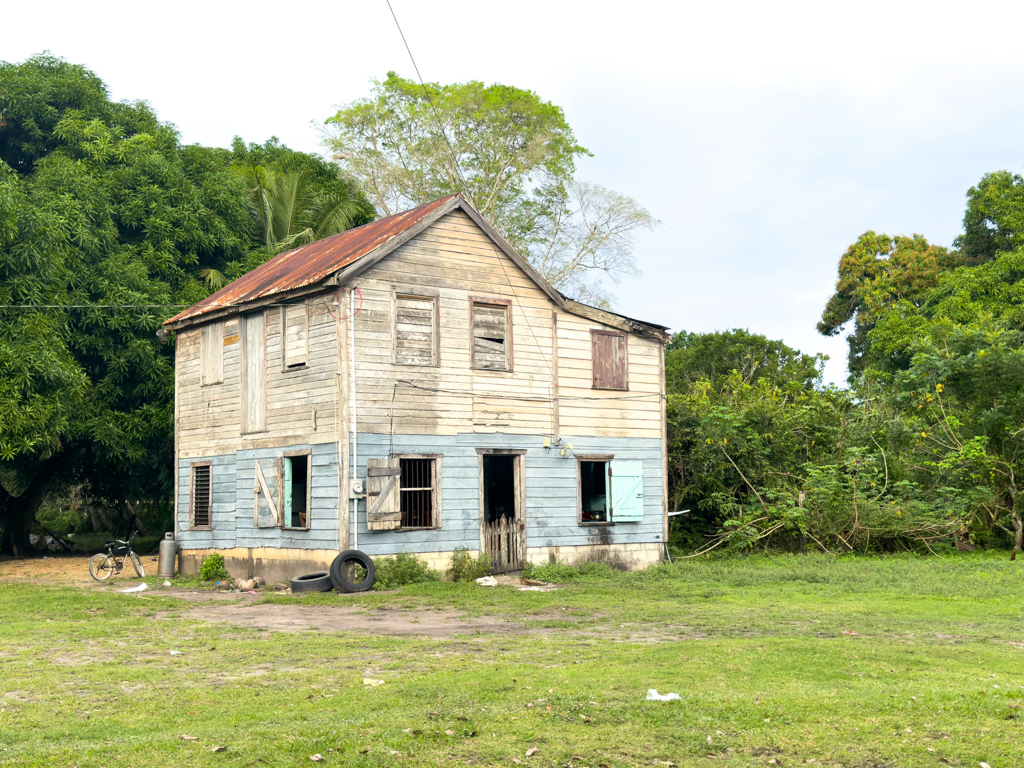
{"type": "Point", "coordinates": [414, 385]}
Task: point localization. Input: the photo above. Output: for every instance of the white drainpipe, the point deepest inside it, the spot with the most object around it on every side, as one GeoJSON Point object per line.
{"type": "Point", "coordinates": [355, 431]}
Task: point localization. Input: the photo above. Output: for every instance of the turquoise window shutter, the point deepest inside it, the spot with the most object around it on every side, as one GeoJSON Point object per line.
{"type": "Point", "coordinates": [627, 491]}
{"type": "Point", "coordinates": [287, 491]}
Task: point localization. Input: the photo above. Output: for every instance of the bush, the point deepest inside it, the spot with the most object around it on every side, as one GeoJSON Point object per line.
{"type": "Point", "coordinates": [557, 573]}
{"type": "Point", "coordinates": [212, 568]}
{"type": "Point", "coordinates": [402, 569]}
{"type": "Point", "coordinates": [465, 568]}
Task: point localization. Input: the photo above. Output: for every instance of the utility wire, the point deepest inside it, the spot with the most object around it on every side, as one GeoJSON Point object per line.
{"type": "Point", "coordinates": [430, 101]}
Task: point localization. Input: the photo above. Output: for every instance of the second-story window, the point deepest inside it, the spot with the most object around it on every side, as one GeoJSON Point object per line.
{"type": "Point", "coordinates": [492, 335]}
{"type": "Point", "coordinates": [211, 353]}
{"type": "Point", "coordinates": [415, 330]}
{"type": "Point", "coordinates": [294, 336]}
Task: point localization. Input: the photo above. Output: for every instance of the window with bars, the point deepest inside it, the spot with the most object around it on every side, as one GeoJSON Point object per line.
{"type": "Point", "coordinates": [202, 496]}
{"type": "Point", "coordinates": [418, 492]}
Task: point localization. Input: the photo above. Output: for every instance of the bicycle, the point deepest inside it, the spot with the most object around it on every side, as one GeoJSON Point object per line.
{"type": "Point", "coordinates": [106, 564]}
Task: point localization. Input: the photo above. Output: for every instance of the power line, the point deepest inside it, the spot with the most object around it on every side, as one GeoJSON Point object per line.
{"type": "Point", "coordinates": [430, 101]}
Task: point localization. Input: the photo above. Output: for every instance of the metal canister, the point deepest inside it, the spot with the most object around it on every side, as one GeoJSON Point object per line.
{"type": "Point", "coordinates": [168, 552]}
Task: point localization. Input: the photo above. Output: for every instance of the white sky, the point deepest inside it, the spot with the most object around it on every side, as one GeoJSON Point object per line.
{"type": "Point", "coordinates": [766, 136]}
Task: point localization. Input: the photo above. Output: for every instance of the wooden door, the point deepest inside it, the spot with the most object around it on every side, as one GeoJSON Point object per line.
{"type": "Point", "coordinates": [503, 530]}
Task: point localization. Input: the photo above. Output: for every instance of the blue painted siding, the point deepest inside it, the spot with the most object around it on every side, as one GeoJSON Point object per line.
{"type": "Point", "coordinates": [550, 495]}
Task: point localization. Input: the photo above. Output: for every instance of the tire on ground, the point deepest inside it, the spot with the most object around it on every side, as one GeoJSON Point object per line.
{"type": "Point", "coordinates": [312, 582]}
{"type": "Point", "coordinates": [341, 582]}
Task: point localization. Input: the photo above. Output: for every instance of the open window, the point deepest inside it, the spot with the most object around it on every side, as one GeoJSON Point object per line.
{"type": "Point", "coordinates": [211, 353]}
{"type": "Point", "coordinates": [201, 497]}
{"type": "Point", "coordinates": [610, 490]}
{"type": "Point", "coordinates": [610, 359]}
{"type": "Point", "coordinates": [416, 330]}
{"type": "Point", "coordinates": [419, 491]}
{"type": "Point", "coordinates": [491, 322]}
{"type": "Point", "coordinates": [294, 496]}
{"type": "Point", "coordinates": [294, 336]}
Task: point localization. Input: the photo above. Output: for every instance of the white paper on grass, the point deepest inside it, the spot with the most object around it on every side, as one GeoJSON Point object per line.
{"type": "Point", "coordinates": [653, 695]}
{"type": "Point", "coordinates": [140, 588]}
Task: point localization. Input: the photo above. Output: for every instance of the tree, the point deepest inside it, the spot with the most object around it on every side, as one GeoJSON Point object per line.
{"type": "Point", "coordinates": [691, 357]}
{"type": "Point", "coordinates": [510, 153]}
{"type": "Point", "coordinates": [994, 220]}
{"type": "Point", "coordinates": [104, 220]}
{"type": "Point", "coordinates": [876, 272]}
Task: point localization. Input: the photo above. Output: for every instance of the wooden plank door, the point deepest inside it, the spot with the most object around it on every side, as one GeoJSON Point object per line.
{"type": "Point", "coordinates": [254, 373]}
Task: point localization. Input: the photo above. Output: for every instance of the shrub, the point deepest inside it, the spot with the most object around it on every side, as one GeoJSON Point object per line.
{"type": "Point", "coordinates": [557, 572]}
{"type": "Point", "coordinates": [465, 568]}
{"type": "Point", "coordinates": [402, 569]}
{"type": "Point", "coordinates": [212, 568]}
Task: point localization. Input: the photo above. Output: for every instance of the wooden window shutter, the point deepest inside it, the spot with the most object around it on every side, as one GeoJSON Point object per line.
{"type": "Point", "coordinates": [415, 325]}
{"type": "Point", "coordinates": [211, 348]}
{"type": "Point", "coordinates": [611, 364]}
{"type": "Point", "coordinates": [202, 496]}
{"type": "Point", "coordinates": [295, 335]}
{"type": "Point", "coordinates": [490, 337]}
{"type": "Point", "coordinates": [254, 373]}
{"type": "Point", "coordinates": [383, 494]}
{"type": "Point", "coordinates": [627, 495]}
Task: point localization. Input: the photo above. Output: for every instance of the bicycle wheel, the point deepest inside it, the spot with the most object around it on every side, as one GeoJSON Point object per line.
{"type": "Point", "coordinates": [137, 565]}
{"type": "Point", "coordinates": [102, 567]}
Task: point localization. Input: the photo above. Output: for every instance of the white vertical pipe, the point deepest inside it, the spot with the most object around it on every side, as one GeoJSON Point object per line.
{"type": "Point", "coordinates": [355, 430]}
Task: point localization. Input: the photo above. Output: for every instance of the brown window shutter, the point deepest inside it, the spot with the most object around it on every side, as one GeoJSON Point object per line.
{"type": "Point", "coordinates": [610, 360]}
{"type": "Point", "coordinates": [211, 343]}
{"type": "Point", "coordinates": [383, 494]}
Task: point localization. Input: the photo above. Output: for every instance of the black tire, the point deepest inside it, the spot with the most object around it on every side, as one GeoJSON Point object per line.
{"type": "Point", "coordinates": [312, 582]}
{"type": "Point", "coordinates": [354, 556]}
{"type": "Point", "coordinates": [138, 566]}
{"type": "Point", "coordinates": [102, 566]}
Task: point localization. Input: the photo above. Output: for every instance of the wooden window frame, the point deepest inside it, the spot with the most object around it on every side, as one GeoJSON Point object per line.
{"type": "Point", "coordinates": [593, 368]}
{"type": "Point", "coordinates": [285, 368]}
{"type": "Point", "coordinates": [398, 292]}
{"type": "Point", "coordinates": [243, 378]}
{"type": "Point", "coordinates": [308, 453]}
{"type": "Point", "coordinates": [203, 341]}
{"type": "Point", "coordinates": [487, 302]}
{"type": "Point", "coordinates": [192, 496]}
{"type": "Point", "coordinates": [435, 479]}
{"type": "Point", "coordinates": [580, 458]}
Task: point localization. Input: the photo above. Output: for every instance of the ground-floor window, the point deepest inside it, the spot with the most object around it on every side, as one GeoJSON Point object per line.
{"type": "Point", "coordinates": [418, 488]}
{"type": "Point", "coordinates": [294, 496]}
{"type": "Point", "coordinates": [593, 490]}
{"type": "Point", "coordinates": [201, 496]}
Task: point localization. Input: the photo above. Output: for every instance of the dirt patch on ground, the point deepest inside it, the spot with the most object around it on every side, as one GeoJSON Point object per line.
{"type": "Point", "coordinates": [62, 568]}
{"type": "Point", "coordinates": [301, 618]}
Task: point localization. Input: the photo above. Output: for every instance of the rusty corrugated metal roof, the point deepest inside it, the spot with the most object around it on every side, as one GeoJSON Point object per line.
{"type": "Point", "coordinates": [311, 263]}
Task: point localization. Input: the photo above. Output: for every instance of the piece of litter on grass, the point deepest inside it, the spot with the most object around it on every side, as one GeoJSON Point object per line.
{"type": "Point", "coordinates": [531, 751]}
{"type": "Point", "coordinates": [218, 749]}
{"type": "Point", "coordinates": [186, 737]}
{"type": "Point", "coordinates": [316, 758]}
{"type": "Point", "coordinates": [984, 765]}
{"type": "Point", "coordinates": [167, 583]}
{"type": "Point", "coordinates": [653, 695]}
{"type": "Point", "coordinates": [371, 682]}
{"type": "Point", "coordinates": [176, 653]}
{"type": "Point", "coordinates": [140, 588]}
{"type": "Point", "coordinates": [487, 581]}
{"type": "Point", "coordinates": [709, 739]}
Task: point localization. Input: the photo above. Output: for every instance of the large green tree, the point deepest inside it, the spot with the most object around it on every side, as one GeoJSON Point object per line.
{"type": "Point", "coordinates": [512, 154]}
{"type": "Point", "coordinates": [105, 219]}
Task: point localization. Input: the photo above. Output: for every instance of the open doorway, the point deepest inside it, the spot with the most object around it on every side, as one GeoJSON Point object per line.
{"type": "Point", "coordinates": [502, 524]}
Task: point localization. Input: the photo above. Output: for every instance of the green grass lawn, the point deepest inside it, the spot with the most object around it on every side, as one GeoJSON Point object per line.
{"type": "Point", "coordinates": [895, 661]}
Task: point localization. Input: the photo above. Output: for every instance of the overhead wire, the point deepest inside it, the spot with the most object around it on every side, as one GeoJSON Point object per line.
{"type": "Point", "coordinates": [426, 91]}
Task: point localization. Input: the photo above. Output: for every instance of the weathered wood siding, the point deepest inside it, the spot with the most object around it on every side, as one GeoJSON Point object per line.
{"type": "Point", "coordinates": [301, 402]}
{"type": "Point", "coordinates": [456, 261]}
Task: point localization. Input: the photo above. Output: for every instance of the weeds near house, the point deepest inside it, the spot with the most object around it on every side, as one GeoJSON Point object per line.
{"type": "Point", "coordinates": [212, 568]}
{"type": "Point", "coordinates": [464, 567]}
{"type": "Point", "coordinates": [401, 570]}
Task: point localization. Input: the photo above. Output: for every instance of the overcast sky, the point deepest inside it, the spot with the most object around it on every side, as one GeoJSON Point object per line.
{"type": "Point", "coordinates": [766, 136]}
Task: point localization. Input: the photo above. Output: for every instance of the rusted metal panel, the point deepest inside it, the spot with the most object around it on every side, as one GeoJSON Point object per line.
{"type": "Point", "coordinates": [311, 263]}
